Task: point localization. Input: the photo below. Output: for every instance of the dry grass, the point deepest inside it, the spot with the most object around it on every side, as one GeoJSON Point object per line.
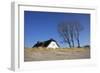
{"type": "Point", "coordinates": [41, 54]}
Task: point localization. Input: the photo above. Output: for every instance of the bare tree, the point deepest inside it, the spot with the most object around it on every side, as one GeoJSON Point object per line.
{"type": "Point", "coordinates": [70, 31]}
{"type": "Point", "coordinates": [77, 29]}
{"type": "Point", "coordinates": [64, 32]}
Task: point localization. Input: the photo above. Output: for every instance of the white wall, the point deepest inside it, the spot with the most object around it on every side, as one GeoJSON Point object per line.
{"type": "Point", "coordinates": [5, 32]}
{"type": "Point", "coordinates": [52, 45]}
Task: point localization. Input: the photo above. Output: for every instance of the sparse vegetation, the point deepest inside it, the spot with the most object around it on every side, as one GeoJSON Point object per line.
{"type": "Point", "coordinates": [42, 54]}
{"type": "Point", "coordinates": [86, 46]}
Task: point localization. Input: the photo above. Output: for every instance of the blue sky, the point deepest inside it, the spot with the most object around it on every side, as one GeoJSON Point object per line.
{"type": "Point", "coordinates": [41, 26]}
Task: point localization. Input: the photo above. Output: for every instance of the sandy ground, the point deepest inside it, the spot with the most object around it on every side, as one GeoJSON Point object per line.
{"type": "Point", "coordinates": [43, 54]}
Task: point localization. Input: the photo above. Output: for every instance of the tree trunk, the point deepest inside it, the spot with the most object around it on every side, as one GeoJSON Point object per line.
{"type": "Point", "coordinates": [69, 44]}
{"type": "Point", "coordinates": [78, 43]}
{"type": "Point", "coordinates": [72, 43]}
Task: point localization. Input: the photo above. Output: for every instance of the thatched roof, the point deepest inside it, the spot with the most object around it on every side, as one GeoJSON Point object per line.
{"type": "Point", "coordinates": [44, 44]}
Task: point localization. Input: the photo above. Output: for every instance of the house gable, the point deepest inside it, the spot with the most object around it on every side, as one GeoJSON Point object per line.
{"type": "Point", "coordinates": [53, 45]}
